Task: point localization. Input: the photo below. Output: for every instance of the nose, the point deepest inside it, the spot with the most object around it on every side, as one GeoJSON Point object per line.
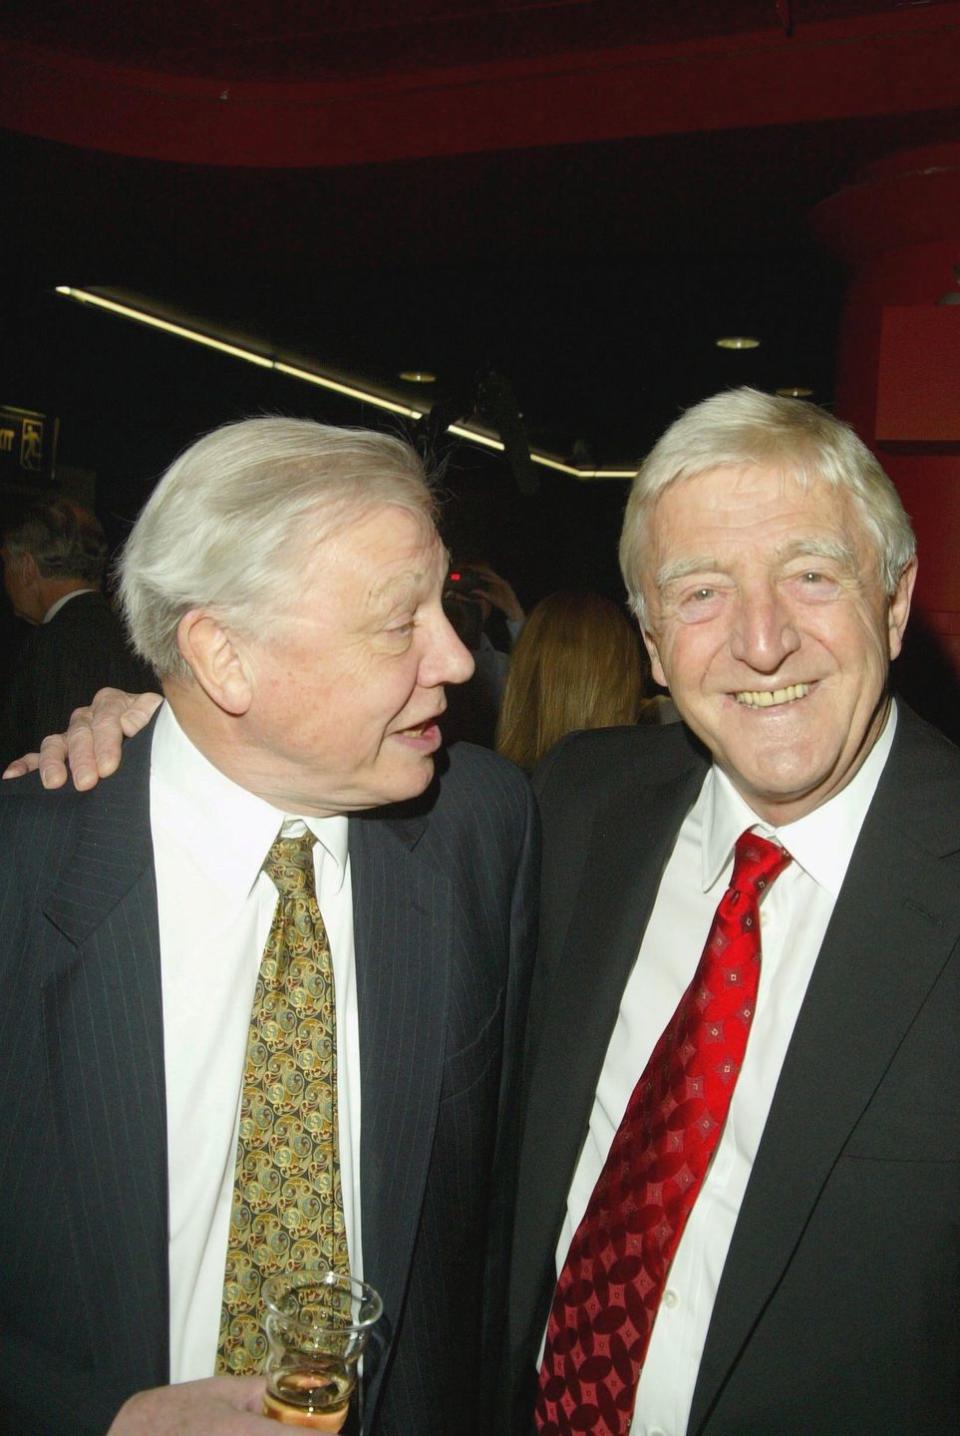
{"type": "Point", "coordinates": [763, 633]}
{"type": "Point", "coordinates": [446, 659]}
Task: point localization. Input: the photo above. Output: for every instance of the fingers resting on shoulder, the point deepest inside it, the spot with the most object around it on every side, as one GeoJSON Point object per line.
{"type": "Point", "coordinates": [90, 749]}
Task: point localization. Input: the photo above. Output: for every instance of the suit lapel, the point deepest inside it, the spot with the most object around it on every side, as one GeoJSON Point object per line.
{"type": "Point", "coordinates": [104, 1036]}
{"type": "Point", "coordinates": [892, 930]}
{"type": "Point", "coordinates": [403, 931]}
{"type": "Point", "coordinates": [628, 847]}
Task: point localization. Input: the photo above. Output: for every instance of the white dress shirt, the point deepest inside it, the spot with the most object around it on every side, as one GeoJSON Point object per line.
{"type": "Point", "coordinates": [210, 839]}
{"type": "Point", "coordinates": [794, 915]}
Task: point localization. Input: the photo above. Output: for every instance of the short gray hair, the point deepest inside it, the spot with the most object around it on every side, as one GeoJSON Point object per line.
{"type": "Point", "coordinates": [231, 523]}
{"type": "Point", "coordinates": [65, 540]}
{"type": "Point", "coordinates": [742, 428]}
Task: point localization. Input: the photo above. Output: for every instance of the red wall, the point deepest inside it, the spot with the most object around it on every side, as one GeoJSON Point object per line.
{"type": "Point", "coordinates": [898, 371]}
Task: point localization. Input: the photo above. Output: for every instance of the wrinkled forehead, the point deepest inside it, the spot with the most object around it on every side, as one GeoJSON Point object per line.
{"type": "Point", "coordinates": [760, 489]}
{"type": "Point", "coordinates": [337, 523]}
{"type": "Point", "coordinates": [772, 513]}
{"type": "Point", "coordinates": [383, 542]}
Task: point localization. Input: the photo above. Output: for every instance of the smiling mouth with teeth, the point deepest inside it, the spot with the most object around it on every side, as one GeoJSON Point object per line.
{"type": "Point", "coordinates": [770, 698]}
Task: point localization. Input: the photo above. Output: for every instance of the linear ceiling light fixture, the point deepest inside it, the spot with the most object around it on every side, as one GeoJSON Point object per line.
{"type": "Point", "coordinates": [236, 351]}
{"type": "Point", "coordinates": [83, 296]}
{"type": "Point", "coordinates": [462, 429]}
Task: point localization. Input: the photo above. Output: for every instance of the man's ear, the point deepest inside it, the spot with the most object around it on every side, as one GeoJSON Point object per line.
{"type": "Point", "coordinates": [216, 661]}
{"type": "Point", "coordinates": [28, 574]}
{"type": "Point", "coordinates": [899, 610]}
{"type": "Point", "coordinates": [28, 567]}
{"type": "Point", "coordinates": [655, 665]}
{"type": "Point", "coordinates": [29, 599]}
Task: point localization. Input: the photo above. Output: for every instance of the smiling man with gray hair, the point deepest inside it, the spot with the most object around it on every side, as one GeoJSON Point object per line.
{"type": "Point", "coordinates": [739, 1189]}
{"type": "Point", "coordinates": [208, 1084]}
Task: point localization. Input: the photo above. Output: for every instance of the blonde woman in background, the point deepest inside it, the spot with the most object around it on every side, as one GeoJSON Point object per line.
{"type": "Point", "coordinates": [578, 663]}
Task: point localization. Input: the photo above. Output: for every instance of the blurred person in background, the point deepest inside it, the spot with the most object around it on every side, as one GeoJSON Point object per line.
{"type": "Point", "coordinates": [488, 617]}
{"type": "Point", "coordinates": [577, 664]}
{"type": "Point", "coordinates": [54, 558]}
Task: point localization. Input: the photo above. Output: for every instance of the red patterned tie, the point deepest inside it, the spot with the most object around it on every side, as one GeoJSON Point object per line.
{"type": "Point", "coordinates": [611, 1283]}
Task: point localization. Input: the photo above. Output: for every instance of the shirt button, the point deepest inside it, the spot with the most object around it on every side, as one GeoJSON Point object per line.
{"type": "Point", "coordinates": [670, 1300]}
{"type": "Point", "coordinates": [656, 1431]}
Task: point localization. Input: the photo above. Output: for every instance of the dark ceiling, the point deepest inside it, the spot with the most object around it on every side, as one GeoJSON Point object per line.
{"type": "Point", "coordinates": [337, 39]}
{"type": "Point", "coordinates": [580, 196]}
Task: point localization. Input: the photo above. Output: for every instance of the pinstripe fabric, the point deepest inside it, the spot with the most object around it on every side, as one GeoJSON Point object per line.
{"type": "Point", "coordinates": [81, 649]}
{"type": "Point", "coordinates": [83, 1243]}
{"type": "Point", "coordinates": [837, 1309]}
{"type": "Point", "coordinates": [445, 917]}
{"type": "Point", "coordinates": [443, 896]}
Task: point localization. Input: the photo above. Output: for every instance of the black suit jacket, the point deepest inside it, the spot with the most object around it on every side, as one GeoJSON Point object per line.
{"type": "Point", "coordinates": [84, 647]}
{"type": "Point", "coordinates": [443, 930]}
{"type": "Point", "coordinates": [839, 1305]}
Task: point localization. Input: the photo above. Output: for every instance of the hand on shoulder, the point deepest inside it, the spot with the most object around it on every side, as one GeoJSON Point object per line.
{"type": "Point", "coordinates": [90, 748]}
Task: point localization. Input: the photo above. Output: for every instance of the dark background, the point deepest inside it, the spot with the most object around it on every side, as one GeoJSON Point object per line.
{"type": "Point", "coordinates": [592, 276]}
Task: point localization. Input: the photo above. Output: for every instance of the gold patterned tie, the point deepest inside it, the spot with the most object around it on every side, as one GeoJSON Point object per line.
{"type": "Point", "coordinates": [287, 1203]}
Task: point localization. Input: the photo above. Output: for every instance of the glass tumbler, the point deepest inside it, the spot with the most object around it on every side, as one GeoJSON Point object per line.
{"type": "Point", "coordinates": [317, 1324]}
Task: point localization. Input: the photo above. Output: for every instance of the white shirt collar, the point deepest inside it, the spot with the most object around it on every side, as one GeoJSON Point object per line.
{"type": "Point", "coordinates": [821, 843]}
{"type": "Point", "coordinates": [227, 829]}
{"type": "Point", "coordinates": [63, 600]}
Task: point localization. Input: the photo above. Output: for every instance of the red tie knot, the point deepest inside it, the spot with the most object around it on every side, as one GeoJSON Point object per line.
{"type": "Point", "coordinates": [756, 863]}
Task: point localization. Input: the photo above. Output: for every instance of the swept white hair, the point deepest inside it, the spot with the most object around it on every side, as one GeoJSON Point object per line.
{"type": "Point", "coordinates": [742, 428]}
{"type": "Point", "coordinates": [235, 517]}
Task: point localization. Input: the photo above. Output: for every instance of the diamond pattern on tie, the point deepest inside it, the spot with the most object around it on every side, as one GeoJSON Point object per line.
{"type": "Point", "coordinates": [287, 1206]}
{"type": "Point", "coordinates": [609, 1290]}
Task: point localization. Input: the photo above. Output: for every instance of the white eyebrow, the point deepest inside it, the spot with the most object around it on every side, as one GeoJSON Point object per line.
{"type": "Point", "coordinates": [811, 547]}
{"type": "Point", "coordinates": [681, 567]}
{"type": "Point", "coordinates": [821, 547]}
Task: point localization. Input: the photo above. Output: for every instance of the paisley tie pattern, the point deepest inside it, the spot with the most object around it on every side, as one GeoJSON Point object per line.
{"type": "Point", "coordinates": [287, 1204]}
{"type": "Point", "coordinates": [609, 1290]}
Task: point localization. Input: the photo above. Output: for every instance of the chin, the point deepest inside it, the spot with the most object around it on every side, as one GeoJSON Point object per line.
{"type": "Point", "coordinates": [411, 783]}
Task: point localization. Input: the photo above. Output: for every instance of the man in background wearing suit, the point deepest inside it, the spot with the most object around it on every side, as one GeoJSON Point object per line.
{"type": "Point", "coordinates": [359, 1032]}
{"type": "Point", "coordinates": [53, 563]}
{"type": "Point", "coordinates": [765, 1243]}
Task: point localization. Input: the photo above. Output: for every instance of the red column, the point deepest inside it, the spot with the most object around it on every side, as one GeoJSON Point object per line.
{"type": "Point", "coordinates": [898, 367]}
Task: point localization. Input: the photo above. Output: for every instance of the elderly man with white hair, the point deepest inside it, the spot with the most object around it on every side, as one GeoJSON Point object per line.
{"type": "Point", "coordinates": [739, 1191]}
{"type": "Point", "coordinates": [264, 990]}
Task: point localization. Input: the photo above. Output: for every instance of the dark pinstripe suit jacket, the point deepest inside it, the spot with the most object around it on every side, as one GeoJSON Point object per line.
{"type": "Point", "coordinates": [838, 1311]}
{"type": "Point", "coordinates": [443, 928]}
{"type": "Point", "coordinates": [84, 647]}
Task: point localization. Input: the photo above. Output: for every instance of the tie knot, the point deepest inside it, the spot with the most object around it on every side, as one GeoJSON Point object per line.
{"type": "Point", "coordinates": [289, 864]}
{"type": "Point", "coordinates": [757, 862]}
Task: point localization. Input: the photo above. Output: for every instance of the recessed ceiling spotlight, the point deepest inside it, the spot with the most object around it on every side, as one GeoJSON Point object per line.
{"type": "Point", "coordinates": [797, 391]}
{"type": "Point", "coordinates": [417, 376]}
{"type": "Point", "coordinates": [737, 341]}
